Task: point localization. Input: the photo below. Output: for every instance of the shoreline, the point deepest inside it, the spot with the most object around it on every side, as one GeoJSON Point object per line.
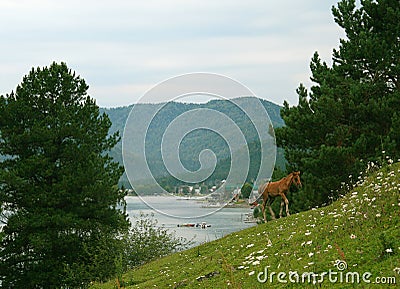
{"type": "Point", "coordinates": [242, 204]}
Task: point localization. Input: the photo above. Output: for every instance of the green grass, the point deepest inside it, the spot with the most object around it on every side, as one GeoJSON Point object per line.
{"type": "Point", "coordinates": [362, 229]}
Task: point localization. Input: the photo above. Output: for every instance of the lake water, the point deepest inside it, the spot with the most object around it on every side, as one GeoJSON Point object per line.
{"type": "Point", "coordinates": [223, 222]}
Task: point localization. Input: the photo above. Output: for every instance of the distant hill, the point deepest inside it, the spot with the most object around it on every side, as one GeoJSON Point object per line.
{"type": "Point", "coordinates": [195, 141]}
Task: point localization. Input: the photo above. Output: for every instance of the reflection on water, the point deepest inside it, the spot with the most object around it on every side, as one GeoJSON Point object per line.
{"type": "Point", "coordinates": [223, 222]}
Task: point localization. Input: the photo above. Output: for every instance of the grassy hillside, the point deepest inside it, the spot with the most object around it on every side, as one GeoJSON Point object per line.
{"type": "Point", "coordinates": [362, 229]}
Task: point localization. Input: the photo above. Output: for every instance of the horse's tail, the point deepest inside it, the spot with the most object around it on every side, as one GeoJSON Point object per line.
{"type": "Point", "coordinates": [263, 187]}
{"type": "Point", "coordinates": [261, 190]}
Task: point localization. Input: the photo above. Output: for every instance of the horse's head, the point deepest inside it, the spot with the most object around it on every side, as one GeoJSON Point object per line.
{"type": "Point", "coordinates": [296, 179]}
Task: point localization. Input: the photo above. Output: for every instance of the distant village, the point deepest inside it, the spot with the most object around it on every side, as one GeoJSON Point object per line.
{"type": "Point", "coordinates": [212, 196]}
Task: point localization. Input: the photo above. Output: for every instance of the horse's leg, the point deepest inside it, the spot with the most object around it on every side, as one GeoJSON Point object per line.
{"type": "Point", "coordinates": [281, 210]}
{"type": "Point", "coordinates": [263, 208]}
{"type": "Point", "coordinates": [287, 204]}
{"type": "Point", "coordinates": [270, 209]}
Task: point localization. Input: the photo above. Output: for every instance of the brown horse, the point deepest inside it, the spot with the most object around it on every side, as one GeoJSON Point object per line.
{"type": "Point", "coordinates": [279, 188]}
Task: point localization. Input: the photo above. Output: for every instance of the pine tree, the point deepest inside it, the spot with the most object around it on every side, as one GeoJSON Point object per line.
{"type": "Point", "coordinates": [58, 187]}
{"type": "Point", "coordinates": [351, 113]}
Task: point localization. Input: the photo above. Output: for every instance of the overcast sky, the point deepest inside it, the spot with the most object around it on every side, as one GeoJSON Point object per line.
{"type": "Point", "coordinates": [122, 48]}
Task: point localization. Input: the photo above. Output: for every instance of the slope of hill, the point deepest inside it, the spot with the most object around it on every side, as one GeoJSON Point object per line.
{"type": "Point", "coordinates": [357, 238]}
{"type": "Point", "coordinates": [198, 140]}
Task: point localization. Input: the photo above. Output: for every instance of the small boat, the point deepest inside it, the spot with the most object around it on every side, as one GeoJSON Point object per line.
{"type": "Point", "coordinates": [203, 225]}
{"type": "Point", "coordinates": [186, 225]}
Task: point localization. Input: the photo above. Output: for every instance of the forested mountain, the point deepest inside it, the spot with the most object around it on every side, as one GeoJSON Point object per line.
{"type": "Point", "coordinates": [196, 141]}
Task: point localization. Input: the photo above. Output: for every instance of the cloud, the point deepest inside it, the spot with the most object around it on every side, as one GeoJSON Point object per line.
{"type": "Point", "coordinates": [120, 47]}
